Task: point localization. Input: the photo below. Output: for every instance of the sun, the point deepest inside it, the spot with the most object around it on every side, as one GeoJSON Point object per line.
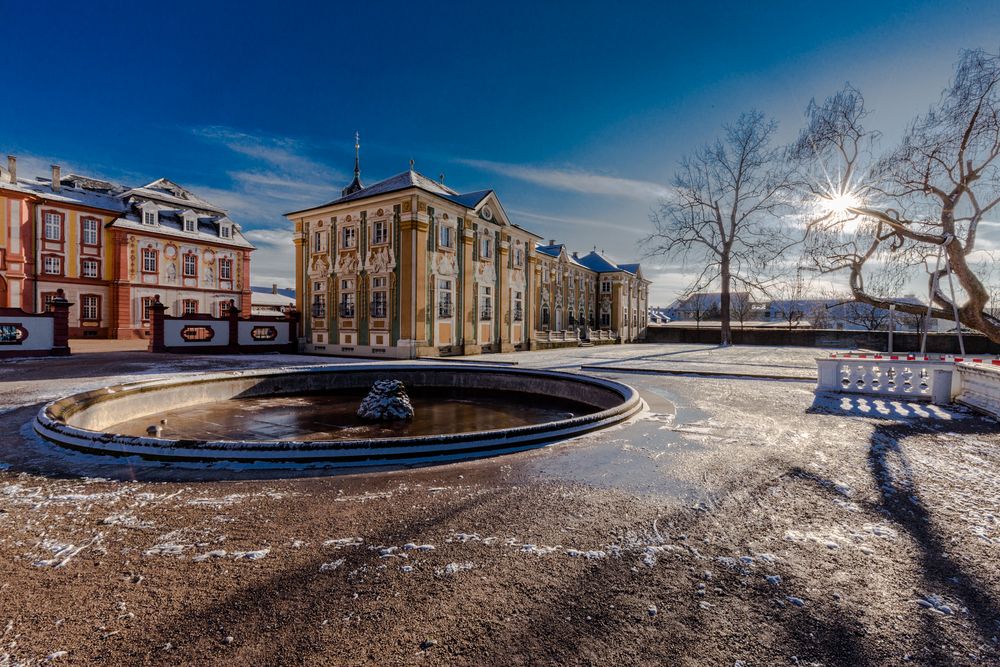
{"type": "Point", "coordinates": [840, 203]}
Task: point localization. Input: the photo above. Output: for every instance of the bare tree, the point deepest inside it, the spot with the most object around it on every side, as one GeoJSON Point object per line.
{"type": "Point", "coordinates": [921, 202]}
{"type": "Point", "coordinates": [819, 316]}
{"type": "Point", "coordinates": [723, 211]}
{"type": "Point", "coordinates": [698, 306]}
{"type": "Point", "coordinates": [866, 316]}
{"type": "Point", "coordinates": [742, 306]}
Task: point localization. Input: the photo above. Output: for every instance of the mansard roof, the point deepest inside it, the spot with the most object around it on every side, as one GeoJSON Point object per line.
{"type": "Point", "coordinates": [168, 192]}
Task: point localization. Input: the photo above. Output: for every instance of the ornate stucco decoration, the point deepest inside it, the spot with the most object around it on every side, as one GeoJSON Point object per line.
{"type": "Point", "coordinates": [346, 264]}
{"type": "Point", "coordinates": [380, 260]}
{"type": "Point", "coordinates": [545, 295]}
{"type": "Point", "coordinates": [517, 278]}
{"type": "Point", "coordinates": [486, 273]}
{"type": "Point", "coordinates": [445, 264]}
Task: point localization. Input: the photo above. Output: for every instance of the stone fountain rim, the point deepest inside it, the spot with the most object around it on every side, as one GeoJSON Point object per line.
{"type": "Point", "coordinates": [52, 428]}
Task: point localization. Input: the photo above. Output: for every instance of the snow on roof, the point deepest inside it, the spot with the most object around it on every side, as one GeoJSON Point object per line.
{"type": "Point", "coordinates": [595, 261]}
{"type": "Point", "coordinates": [166, 191]}
{"type": "Point", "coordinates": [269, 299]}
{"type": "Point", "coordinates": [68, 194]}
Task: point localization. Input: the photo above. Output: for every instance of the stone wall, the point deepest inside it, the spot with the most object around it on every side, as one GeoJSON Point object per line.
{"type": "Point", "coordinates": [824, 338]}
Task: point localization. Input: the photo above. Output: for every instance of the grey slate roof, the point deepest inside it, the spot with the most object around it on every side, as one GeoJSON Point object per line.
{"type": "Point", "coordinates": [170, 199]}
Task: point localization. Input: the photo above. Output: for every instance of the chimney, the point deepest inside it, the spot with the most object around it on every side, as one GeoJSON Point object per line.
{"type": "Point", "coordinates": [12, 168]}
{"type": "Point", "coordinates": [56, 184]}
{"type": "Point", "coordinates": [552, 241]}
{"type": "Point", "coordinates": [274, 288]}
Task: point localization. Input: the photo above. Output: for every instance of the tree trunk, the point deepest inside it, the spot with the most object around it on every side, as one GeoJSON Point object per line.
{"type": "Point", "coordinates": [725, 305]}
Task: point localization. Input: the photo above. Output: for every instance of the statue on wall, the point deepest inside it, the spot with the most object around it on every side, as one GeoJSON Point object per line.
{"type": "Point", "coordinates": [171, 272]}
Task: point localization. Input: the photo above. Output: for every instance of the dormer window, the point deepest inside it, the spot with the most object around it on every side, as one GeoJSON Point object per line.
{"type": "Point", "coordinates": [225, 232]}
{"type": "Point", "coordinates": [149, 217]}
{"type": "Point", "coordinates": [190, 224]}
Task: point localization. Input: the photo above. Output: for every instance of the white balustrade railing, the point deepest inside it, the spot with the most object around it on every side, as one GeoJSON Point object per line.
{"type": "Point", "coordinates": [904, 375]}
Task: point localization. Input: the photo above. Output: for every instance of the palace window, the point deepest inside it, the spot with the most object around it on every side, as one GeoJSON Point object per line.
{"type": "Point", "coordinates": [486, 247]}
{"type": "Point", "coordinates": [225, 268]}
{"type": "Point", "coordinates": [380, 233]}
{"type": "Point", "coordinates": [349, 238]}
{"type": "Point", "coordinates": [445, 304]}
{"type": "Point", "coordinates": [605, 287]}
{"type": "Point", "coordinates": [545, 317]}
{"type": "Point", "coordinates": [572, 318]}
{"type": "Point", "coordinates": [446, 237]}
{"type": "Point", "coordinates": [224, 308]}
{"type": "Point", "coordinates": [518, 257]}
{"type": "Point", "coordinates": [347, 304]}
{"type": "Point", "coordinates": [53, 265]}
{"type": "Point", "coordinates": [380, 296]}
{"type": "Point", "coordinates": [605, 319]}
{"type": "Point", "coordinates": [89, 268]}
{"type": "Point", "coordinates": [53, 226]}
{"type": "Point", "coordinates": [47, 299]}
{"type": "Point", "coordinates": [317, 241]}
{"type": "Point", "coordinates": [149, 217]}
{"type": "Point", "coordinates": [149, 260]}
{"type": "Point", "coordinates": [189, 306]}
{"type": "Point", "coordinates": [378, 303]}
{"type": "Point", "coordinates": [147, 303]}
{"type": "Point", "coordinates": [91, 234]}
{"type": "Point", "coordinates": [346, 285]}
{"type": "Point", "coordinates": [485, 302]}
{"type": "Point", "coordinates": [319, 305]}
{"type": "Point", "coordinates": [190, 265]}
{"type": "Point", "coordinates": [518, 306]}
{"type": "Point", "coordinates": [190, 224]}
{"type": "Point", "coordinates": [224, 231]}
{"type": "Point", "coordinates": [90, 307]}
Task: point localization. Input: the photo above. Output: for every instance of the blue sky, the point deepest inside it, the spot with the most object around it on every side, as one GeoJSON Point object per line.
{"type": "Point", "coordinates": [576, 113]}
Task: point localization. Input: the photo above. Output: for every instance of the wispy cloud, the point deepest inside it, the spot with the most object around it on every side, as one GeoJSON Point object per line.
{"type": "Point", "coordinates": [576, 222]}
{"type": "Point", "coordinates": [575, 180]}
{"type": "Point", "coordinates": [275, 175]}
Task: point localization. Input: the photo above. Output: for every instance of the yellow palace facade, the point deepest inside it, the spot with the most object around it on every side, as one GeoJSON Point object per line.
{"type": "Point", "coordinates": [408, 267]}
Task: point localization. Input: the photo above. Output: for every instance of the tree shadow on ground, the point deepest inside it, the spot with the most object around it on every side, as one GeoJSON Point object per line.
{"type": "Point", "coordinates": [900, 500]}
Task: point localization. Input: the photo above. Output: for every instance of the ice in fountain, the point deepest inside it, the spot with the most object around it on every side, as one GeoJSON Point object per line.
{"type": "Point", "coordinates": [387, 401]}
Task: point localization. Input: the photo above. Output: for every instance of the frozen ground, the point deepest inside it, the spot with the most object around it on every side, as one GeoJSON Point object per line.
{"type": "Point", "coordinates": [738, 521]}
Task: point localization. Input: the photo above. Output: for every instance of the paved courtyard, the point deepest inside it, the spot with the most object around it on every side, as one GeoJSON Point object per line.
{"type": "Point", "coordinates": [741, 519]}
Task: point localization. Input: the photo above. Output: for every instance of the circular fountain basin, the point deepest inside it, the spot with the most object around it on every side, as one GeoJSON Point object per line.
{"type": "Point", "coordinates": [305, 415]}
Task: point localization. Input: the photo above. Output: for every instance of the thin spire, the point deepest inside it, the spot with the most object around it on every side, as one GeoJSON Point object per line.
{"type": "Point", "coordinates": [357, 154]}
{"type": "Point", "coordinates": [356, 184]}
{"type": "Point", "coordinates": [412, 162]}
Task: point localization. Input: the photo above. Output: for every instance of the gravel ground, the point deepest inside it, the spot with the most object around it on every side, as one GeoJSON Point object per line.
{"type": "Point", "coordinates": [737, 521]}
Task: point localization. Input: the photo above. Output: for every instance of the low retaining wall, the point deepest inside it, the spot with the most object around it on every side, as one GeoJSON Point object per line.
{"type": "Point", "coordinates": [78, 421]}
{"type": "Point", "coordinates": [824, 338]}
{"type": "Point", "coordinates": [24, 334]}
{"type": "Point", "coordinates": [221, 335]}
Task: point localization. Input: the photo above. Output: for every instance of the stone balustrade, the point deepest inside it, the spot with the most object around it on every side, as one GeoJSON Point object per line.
{"type": "Point", "coordinates": [941, 379]}
{"type": "Point", "coordinates": [978, 386]}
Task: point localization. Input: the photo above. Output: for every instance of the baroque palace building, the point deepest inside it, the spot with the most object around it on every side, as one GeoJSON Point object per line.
{"type": "Point", "coordinates": [408, 267]}
{"type": "Point", "coordinates": [111, 249]}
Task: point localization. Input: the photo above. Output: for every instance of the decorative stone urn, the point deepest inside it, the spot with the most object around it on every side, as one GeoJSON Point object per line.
{"type": "Point", "coordinates": [387, 401]}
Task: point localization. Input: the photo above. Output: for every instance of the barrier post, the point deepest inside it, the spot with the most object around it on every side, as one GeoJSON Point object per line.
{"type": "Point", "coordinates": [234, 326]}
{"type": "Point", "coordinates": [156, 311]}
{"type": "Point", "coordinates": [60, 325]}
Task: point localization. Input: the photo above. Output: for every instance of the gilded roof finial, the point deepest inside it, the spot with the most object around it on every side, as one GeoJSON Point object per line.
{"type": "Point", "coordinates": [411, 164]}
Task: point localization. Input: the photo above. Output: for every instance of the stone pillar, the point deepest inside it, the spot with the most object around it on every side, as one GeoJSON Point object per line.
{"type": "Point", "coordinates": [245, 287]}
{"type": "Point", "coordinates": [156, 312]}
{"type": "Point", "coordinates": [470, 335]}
{"type": "Point", "coordinates": [302, 304]}
{"type": "Point", "coordinates": [234, 326]}
{"type": "Point", "coordinates": [503, 299]}
{"type": "Point", "coordinates": [60, 325]}
{"type": "Point", "coordinates": [121, 289]}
